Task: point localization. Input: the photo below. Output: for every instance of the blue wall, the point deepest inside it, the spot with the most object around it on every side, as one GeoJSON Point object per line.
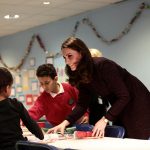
{"type": "Point", "coordinates": [131, 52]}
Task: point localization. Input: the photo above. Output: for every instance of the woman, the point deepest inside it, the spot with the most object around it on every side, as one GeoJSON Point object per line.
{"type": "Point", "coordinates": [129, 98]}
{"type": "Point", "coordinates": [97, 107]}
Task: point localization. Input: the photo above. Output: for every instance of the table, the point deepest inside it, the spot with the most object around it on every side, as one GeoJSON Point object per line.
{"type": "Point", "coordinates": [105, 143]}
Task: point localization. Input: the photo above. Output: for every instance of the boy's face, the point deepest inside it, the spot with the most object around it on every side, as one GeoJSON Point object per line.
{"type": "Point", "coordinates": [47, 83]}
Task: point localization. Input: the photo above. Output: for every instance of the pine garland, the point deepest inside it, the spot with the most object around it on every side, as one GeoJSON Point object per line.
{"type": "Point", "coordinates": [27, 52]}
{"type": "Point", "coordinates": [84, 21]}
{"type": "Point", "coordinates": [88, 22]}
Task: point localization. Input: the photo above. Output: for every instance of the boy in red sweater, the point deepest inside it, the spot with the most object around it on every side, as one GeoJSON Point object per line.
{"type": "Point", "coordinates": [57, 100]}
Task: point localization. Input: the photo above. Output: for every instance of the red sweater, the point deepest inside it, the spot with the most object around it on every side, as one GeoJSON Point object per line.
{"type": "Point", "coordinates": [55, 109]}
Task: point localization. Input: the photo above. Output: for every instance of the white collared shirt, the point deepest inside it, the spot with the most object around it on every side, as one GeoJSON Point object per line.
{"type": "Point", "coordinates": [61, 90]}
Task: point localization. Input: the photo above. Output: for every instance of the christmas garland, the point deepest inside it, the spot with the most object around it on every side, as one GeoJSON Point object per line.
{"type": "Point", "coordinates": [28, 50]}
{"type": "Point", "coordinates": [124, 32]}
{"type": "Point", "coordinates": [84, 21]}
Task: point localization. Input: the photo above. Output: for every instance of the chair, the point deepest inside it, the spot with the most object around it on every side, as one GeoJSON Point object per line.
{"type": "Point", "coordinates": [26, 145]}
{"type": "Point", "coordinates": [114, 131]}
{"type": "Point", "coordinates": [110, 131]}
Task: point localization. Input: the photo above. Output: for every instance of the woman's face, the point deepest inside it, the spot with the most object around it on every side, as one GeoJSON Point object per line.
{"type": "Point", "coordinates": [72, 58]}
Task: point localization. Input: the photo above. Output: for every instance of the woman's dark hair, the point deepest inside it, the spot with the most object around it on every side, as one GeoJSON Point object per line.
{"type": "Point", "coordinates": [5, 79]}
{"type": "Point", "coordinates": [46, 70]}
{"type": "Point", "coordinates": [84, 69]}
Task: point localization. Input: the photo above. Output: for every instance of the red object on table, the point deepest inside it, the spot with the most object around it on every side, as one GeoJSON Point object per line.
{"type": "Point", "coordinates": [82, 134]}
{"type": "Point", "coordinates": [41, 124]}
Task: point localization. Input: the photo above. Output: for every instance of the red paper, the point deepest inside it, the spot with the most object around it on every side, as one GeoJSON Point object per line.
{"type": "Point", "coordinates": [82, 134]}
{"type": "Point", "coordinates": [29, 99]}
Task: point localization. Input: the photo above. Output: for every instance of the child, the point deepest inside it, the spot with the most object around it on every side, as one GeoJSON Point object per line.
{"type": "Point", "coordinates": [95, 52]}
{"type": "Point", "coordinates": [57, 100]}
{"type": "Point", "coordinates": [11, 111]}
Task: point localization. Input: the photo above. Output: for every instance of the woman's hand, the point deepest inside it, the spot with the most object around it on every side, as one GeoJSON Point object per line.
{"type": "Point", "coordinates": [61, 127]}
{"type": "Point", "coordinates": [99, 128]}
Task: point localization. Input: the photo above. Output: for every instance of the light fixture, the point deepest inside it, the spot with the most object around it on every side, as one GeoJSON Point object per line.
{"type": "Point", "coordinates": [6, 17]}
{"type": "Point", "coordinates": [46, 3]}
{"type": "Point", "coordinates": [11, 16]}
{"type": "Point", "coordinates": [16, 16]}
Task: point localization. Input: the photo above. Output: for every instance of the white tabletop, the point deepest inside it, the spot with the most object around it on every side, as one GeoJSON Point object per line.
{"type": "Point", "coordinates": [103, 144]}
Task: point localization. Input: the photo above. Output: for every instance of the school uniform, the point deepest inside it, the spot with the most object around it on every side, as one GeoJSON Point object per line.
{"type": "Point", "coordinates": [55, 106]}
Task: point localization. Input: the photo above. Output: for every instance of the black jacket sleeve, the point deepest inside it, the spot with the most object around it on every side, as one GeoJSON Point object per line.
{"type": "Point", "coordinates": [28, 121]}
{"type": "Point", "coordinates": [82, 104]}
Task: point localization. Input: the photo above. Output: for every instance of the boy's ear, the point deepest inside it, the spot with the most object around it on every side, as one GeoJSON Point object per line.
{"type": "Point", "coordinates": [56, 78]}
{"type": "Point", "coordinates": [7, 88]}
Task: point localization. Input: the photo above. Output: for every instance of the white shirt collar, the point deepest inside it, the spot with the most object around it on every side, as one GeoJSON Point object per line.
{"type": "Point", "coordinates": [61, 90]}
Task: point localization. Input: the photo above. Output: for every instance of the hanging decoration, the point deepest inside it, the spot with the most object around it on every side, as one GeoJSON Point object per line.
{"type": "Point", "coordinates": [41, 43]}
{"type": "Point", "coordinates": [27, 52]}
{"type": "Point", "coordinates": [84, 21]}
{"type": "Point", "coordinates": [124, 32]}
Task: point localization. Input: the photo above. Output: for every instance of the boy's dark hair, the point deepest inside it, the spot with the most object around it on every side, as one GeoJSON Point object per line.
{"type": "Point", "coordinates": [5, 78]}
{"type": "Point", "coordinates": [47, 70]}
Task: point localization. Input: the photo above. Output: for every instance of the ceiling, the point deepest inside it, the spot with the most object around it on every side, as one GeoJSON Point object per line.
{"type": "Point", "coordinates": [33, 13]}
